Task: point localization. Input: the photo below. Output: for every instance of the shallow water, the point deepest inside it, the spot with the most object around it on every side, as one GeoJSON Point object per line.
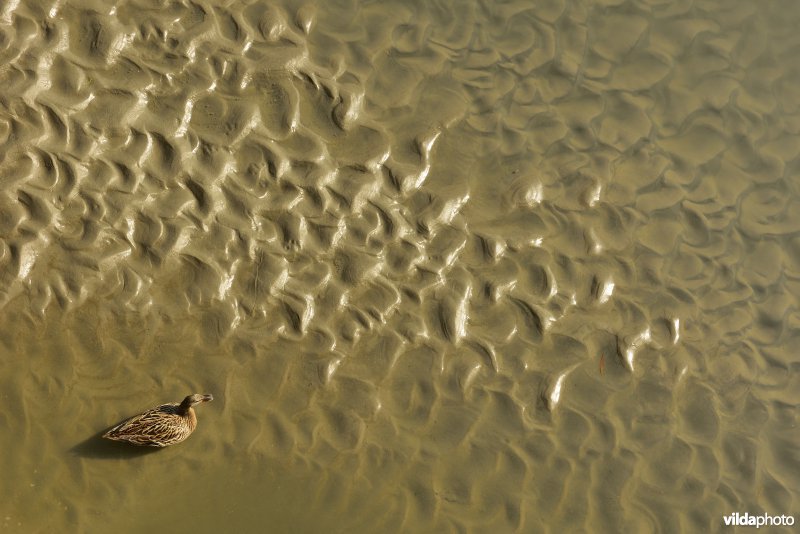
{"type": "Point", "coordinates": [445, 266]}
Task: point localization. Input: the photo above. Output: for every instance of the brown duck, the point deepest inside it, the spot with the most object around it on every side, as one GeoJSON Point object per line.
{"type": "Point", "coordinates": [165, 425]}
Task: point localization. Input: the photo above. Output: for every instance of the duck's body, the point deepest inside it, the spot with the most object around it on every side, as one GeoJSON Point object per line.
{"type": "Point", "coordinates": [165, 425]}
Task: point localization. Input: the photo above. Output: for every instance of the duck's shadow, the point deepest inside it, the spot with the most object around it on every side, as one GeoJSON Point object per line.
{"type": "Point", "coordinates": [100, 448]}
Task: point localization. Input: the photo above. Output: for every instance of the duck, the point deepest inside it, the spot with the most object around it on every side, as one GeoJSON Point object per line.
{"type": "Point", "coordinates": [164, 425]}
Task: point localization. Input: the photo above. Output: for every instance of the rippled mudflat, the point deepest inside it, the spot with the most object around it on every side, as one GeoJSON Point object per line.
{"type": "Point", "coordinates": [446, 266]}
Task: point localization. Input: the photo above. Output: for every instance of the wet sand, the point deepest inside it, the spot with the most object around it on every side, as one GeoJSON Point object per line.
{"type": "Point", "coordinates": [445, 266]}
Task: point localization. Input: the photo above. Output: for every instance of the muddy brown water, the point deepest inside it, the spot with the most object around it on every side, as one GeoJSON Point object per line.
{"type": "Point", "coordinates": [446, 266]}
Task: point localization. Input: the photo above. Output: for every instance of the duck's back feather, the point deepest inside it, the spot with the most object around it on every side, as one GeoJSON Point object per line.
{"type": "Point", "coordinates": [158, 427]}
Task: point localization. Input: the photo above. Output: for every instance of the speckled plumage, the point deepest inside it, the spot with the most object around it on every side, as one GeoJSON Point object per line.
{"type": "Point", "coordinates": [165, 425]}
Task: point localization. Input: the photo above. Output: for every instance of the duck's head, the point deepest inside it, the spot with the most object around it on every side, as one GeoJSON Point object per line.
{"type": "Point", "coordinates": [197, 398]}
